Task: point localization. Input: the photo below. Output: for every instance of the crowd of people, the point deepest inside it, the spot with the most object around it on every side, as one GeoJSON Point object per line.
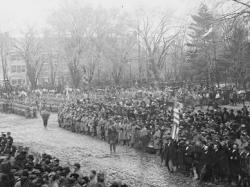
{"type": "Point", "coordinates": [21, 168]}
{"type": "Point", "coordinates": [212, 144]}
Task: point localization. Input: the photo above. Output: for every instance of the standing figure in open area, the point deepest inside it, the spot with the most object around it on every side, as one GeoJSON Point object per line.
{"type": "Point", "coordinates": [113, 139]}
{"type": "Point", "coordinates": [45, 116]}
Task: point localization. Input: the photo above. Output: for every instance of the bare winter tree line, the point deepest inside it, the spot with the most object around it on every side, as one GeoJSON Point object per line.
{"type": "Point", "coordinates": [87, 46]}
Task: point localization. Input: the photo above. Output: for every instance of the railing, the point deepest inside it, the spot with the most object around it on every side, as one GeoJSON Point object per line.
{"type": "Point", "coordinates": [8, 106]}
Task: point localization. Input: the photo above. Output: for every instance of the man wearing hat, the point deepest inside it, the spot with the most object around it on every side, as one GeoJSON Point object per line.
{"type": "Point", "coordinates": [92, 178]}
{"type": "Point", "coordinates": [77, 170]}
{"type": "Point", "coordinates": [101, 180]}
{"type": "Point", "coordinates": [25, 181]}
{"type": "Point", "coordinates": [234, 162]}
{"type": "Point", "coordinates": [9, 138]}
{"type": "Point", "coordinates": [73, 180]}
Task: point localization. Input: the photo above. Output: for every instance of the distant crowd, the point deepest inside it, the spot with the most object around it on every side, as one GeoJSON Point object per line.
{"type": "Point", "coordinates": [194, 95]}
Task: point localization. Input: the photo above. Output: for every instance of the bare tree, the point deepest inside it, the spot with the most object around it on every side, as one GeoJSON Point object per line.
{"type": "Point", "coordinates": [115, 42]}
{"type": "Point", "coordinates": [73, 24]}
{"type": "Point", "coordinates": [5, 43]}
{"type": "Point", "coordinates": [178, 57]}
{"type": "Point", "coordinates": [52, 50]}
{"type": "Point", "coordinates": [92, 61]}
{"type": "Point", "coordinates": [53, 67]}
{"type": "Point", "coordinates": [157, 40]}
{"type": "Point", "coordinates": [247, 4]}
{"type": "Point", "coordinates": [74, 52]}
{"type": "Point", "coordinates": [119, 56]}
{"type": "Point", "coordinates": [235, 56]}
{"type": "Point", "coordinates": [30, 48]}
{"type": "Point", "coordinates": [234, 9]}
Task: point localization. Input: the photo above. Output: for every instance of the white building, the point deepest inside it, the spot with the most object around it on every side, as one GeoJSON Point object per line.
{"type": "Point", "coordinates": [16, 70]}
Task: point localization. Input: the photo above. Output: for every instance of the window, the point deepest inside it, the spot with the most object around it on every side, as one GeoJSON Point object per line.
{"type": "Point", "coordinates": [46, 68]}
{"type": "Point", "coordinates": [23, 68]}
{"type": "Point", "coordinates": [13, 69]}
{"type": "Point", "coordinates": [13, 82]}
{"type": "Point", "coordinates": [15, 57]}
{"type": "Point", "coordinates": [20, 81]}
{"type": "Point", "coordinates": [18, 69]}
{"type": "Point", "coordinates": [45, 80]}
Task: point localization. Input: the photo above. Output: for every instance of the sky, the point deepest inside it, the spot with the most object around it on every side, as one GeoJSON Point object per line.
{"type": "Point", "coordinates": [17, 15]}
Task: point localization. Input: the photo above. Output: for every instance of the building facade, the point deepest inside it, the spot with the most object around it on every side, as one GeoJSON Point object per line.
{"type": "Point", "coordinates": [15, 70]}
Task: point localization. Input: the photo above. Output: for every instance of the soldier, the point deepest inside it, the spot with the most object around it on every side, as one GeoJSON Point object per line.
{"type": "Point", "coordinates": [113, 139]}
{"type": "Point", "coordinates": [234, 161]}
{"type": "Point", "coordinates": [188, 161]}
{"type": "Point", "coordinates": [164, 154]}
{"type": "Point", "coordinates": [216, 166]}
{"type": "Point", "coordinates": [247, 158]}
{"type": "Point", "coordinates": [180, 154]}
{"type": "Point", "coordinates": [2, 136]}
{"type": "Point", "coordinates": [9, 138]}
{"type": "Point", "coordinates": [225, 116]}
{"type": "Point", "coordinates": [3, 142]}
{"type": "Point", "coordinates": [128, 128]}
{"type": "Point", "coordinates": [156, 135]}
{"type": "Point", "coordinates": [171, 155]}
{"type": "Point", "coordinates": [205, 173]}
{"type": "Point", "coordinates": [45, 116]}
{"type": "Point", "coordinates": [231, 115]}
{"type": "Point", "coordinates": [196, 155]}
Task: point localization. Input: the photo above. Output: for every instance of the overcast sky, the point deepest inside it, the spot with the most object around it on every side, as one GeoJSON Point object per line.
{"type": "Point", "coordinates": [16, 15]}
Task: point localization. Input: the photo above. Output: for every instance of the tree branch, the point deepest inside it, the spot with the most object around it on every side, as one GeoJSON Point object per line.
{"type": "Point", "coordinates": [240, 2]}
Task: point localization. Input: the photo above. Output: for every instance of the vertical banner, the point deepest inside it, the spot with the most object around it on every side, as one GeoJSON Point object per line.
{"type": "Point", "coordinates": [176, 121]}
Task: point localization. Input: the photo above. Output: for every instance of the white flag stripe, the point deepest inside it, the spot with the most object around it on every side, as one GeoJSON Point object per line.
{"type": "Point", "coordinates": [176, 115]}
{"type": "Point", "coordinates": [174, 132]}
{"type": "Point", "coordinates": [208, 32]}
{"type": "Point", "coordinates": [176, 110]}
{"type": "Point", "coordinates": [176, 120]}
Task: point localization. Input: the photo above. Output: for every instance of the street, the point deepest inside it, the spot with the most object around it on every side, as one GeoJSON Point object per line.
{"type": "Point", "coordinates": [134, 168]}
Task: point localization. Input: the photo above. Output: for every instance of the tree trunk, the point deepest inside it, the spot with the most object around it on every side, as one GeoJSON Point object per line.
{"type": "Point", "coordinates": [155, 70]}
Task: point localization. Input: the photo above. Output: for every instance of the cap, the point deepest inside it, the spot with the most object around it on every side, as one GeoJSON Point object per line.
{"type": "Point", "coordinates": [25, 173]}
{"type": "Point", "coordinates": [77, 165]}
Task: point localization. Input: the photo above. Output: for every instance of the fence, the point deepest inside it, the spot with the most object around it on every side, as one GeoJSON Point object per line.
{"type": "Point", "coordinates": [8, 106]}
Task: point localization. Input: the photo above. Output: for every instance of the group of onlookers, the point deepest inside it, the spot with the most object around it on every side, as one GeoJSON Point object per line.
{"type": "Point", "coordinates": [213, 146]}
{"type": "Point", "coordinates": [21, 168]}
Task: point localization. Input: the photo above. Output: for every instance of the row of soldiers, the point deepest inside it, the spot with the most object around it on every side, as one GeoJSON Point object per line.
{"type": "Point", "coordinates": [127, 133]}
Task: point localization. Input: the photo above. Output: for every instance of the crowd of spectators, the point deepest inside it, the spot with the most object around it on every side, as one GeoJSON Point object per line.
{"type": "Point", "coordinates": [21, 168]}
{"type": "Point", "coordinates": [212, 145]}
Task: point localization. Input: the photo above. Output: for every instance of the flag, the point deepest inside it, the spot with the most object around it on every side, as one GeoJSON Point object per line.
{"type": "Point", "coordinates": [207, 33]}
{"type": "Point", "coordinates": [67, 93]}
{"type": "Point", "coordinates": [175, 128]}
